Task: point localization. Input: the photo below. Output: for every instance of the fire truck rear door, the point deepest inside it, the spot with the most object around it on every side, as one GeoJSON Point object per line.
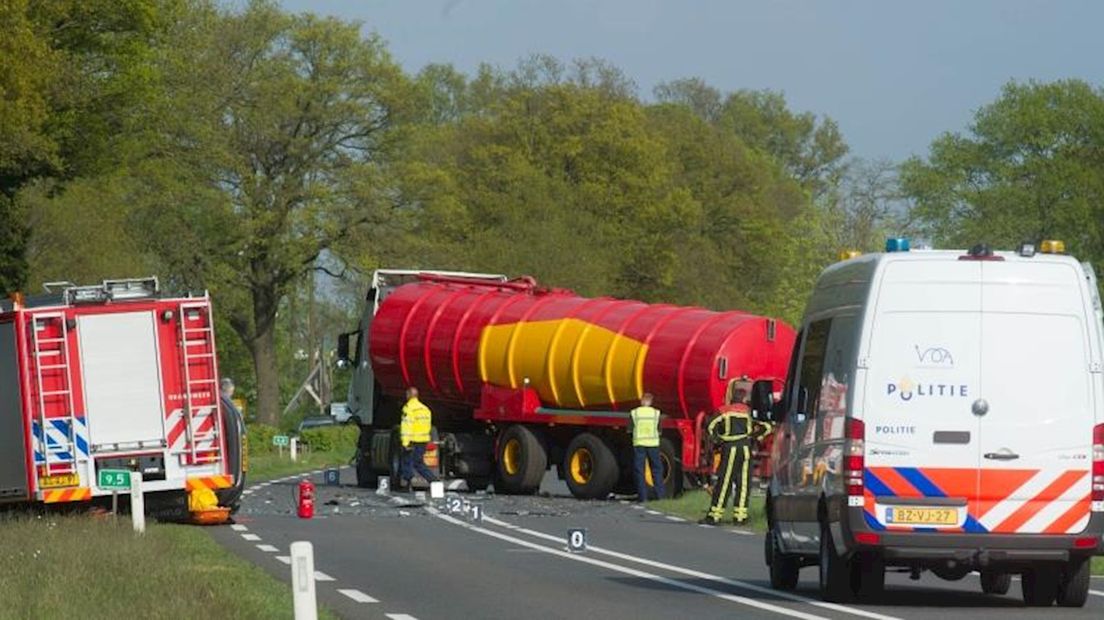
{"type": "Point", "coordinates": [122, 381]}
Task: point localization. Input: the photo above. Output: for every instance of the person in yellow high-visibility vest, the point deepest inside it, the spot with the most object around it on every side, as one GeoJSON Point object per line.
{"type": "Point", "coordinates": [414, 433]}
{"type": "Point", "coordinates": [644, 425]}
{"type": "Point", "coordinates": [735, 429]}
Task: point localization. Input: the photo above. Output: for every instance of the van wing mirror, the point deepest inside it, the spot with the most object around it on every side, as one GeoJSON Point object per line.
{"type": "Point", "coordinates": [343, 351]}
{"type": "Point", "coordinates": [802, 402]}
{"type": "Point", "coordinates": [762, 399]}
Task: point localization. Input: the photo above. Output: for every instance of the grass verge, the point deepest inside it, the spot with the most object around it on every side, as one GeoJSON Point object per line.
{"type": "Point", "coordinates": [1098, 566]}
{"type": "Point", "coordinates": [268, 466]}
{"type": "Point", "coordinates": [93, 567]}
{"type": "Point", "coordinates": [694, 504]}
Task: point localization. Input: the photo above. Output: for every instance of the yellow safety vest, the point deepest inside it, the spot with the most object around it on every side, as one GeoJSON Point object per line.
{"type": "Point", "coordinates": [416, 423]}
{"type": "Point", "coordinates": [645, 431]}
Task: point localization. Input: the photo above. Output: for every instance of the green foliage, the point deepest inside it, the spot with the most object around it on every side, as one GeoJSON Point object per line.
{"type": "Point", "coordinates": [260, 437]}
{"type": "Point", "coordinates": [1030, 168]}
{"type": "Point", "coordinates": [340, 438]}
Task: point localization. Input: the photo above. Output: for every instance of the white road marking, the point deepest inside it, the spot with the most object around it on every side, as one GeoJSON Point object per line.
{"type": "Point", "coordinates": [653, 512]}
{"type": "Point", "coordinates": [267, 548]}
{"type": "Point", "coordinates": [671, 518]}
{"type": "Point", "coordinates": [237, 527]}
{"type": "Point", "coordinates": [735, 598]}
{"type": "Point", "coordinates": [1096, 592]}
{"type": "Point", "coordinates": [286, 559]}
{"type": "Point", "coordinates": [320, 576]}
{"type": "Point", "coordinates": [401, 617]}
{"type": "Point", "coordinates": [743, 532]}
{"type": "Point", "coordinates": [358, 596]}
{"type": "Point", "coordinates": [251, 537]}
{"type": "Point", "coordinates": [715, 578]}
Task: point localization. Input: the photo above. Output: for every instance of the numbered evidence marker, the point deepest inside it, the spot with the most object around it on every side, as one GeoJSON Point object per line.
{"type": "Point", "coordinates": [577, 540]}
{"type": "Point", "coordinates": [476, 513]}
{"type": "Point", "coordinates": [383, 485]}
{"type": "Point", "coordinates": [453, 504]}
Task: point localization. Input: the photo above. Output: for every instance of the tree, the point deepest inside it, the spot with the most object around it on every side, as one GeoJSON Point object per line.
{"type": "Point", "coordinates": [271, 150]}
{"type": "Point", "coordinates": [1031, 167]}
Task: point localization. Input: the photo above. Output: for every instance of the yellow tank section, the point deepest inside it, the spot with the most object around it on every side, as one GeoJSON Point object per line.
{"type": "Point", "coordinates": [569, 362]}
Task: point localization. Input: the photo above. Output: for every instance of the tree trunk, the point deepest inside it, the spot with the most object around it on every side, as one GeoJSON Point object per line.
{"type": "Point", "coordinates": [264, 356]}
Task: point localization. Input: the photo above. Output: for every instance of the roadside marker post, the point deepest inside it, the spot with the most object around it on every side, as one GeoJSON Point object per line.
{"type": "Point", "coordinates": [137, 503]}
{"type": "Point", "coordinates": [577, 540]}
{"type": "Point", "coordinates": [294, 449]}
{"type": "Point", "coordinates": [303, 596]}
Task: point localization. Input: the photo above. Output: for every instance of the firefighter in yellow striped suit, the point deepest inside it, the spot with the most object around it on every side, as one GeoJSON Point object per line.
{"type": "Point", "coordinates": [735, 429]}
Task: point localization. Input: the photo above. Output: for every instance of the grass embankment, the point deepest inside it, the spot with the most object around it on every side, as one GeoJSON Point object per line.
{"type": "Point", "coordinates": [94, 567]}
{"type": "Point", "coordinates": [330, 446]}
{"type": "Point", "coordinates": [694, 504]}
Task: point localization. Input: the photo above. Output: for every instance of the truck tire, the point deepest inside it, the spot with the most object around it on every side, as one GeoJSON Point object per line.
{"type": "Point", "coordinates": [784, 569]}
{"type": "Point", "coordinates": [522, 461]}
{"type": "Point", "coordinates": [1040, 586]}
{"type": "Point", "coordinates": [672, 469]}
{"type": "Point", "coordinates": [834, 572]}
{"type": "Point", "coordinates": [995, 583]}
{"type": "Point", "coordinates": [590, 467]}
{"type": "Point", "coordinates": [867, 575]}
{"type": "Point", "coordinates": [1073, 583]}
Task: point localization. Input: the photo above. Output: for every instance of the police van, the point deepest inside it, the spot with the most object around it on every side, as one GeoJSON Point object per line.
{"type": "Point", "coordinates": [944, 412]}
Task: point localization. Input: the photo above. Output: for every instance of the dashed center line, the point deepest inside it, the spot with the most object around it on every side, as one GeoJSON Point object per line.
{"type": "Point", "coordinates": [357, 596]}
{"type": "Point", "coordinates": [401, 617]}
{"type": "Point", "coordinates": [239, 528]}
{"type": "Point", "coordinates": [286, 559]}
{"type": "Point", "coordinates": [267, 548]}
{"type": "Point", "coordinates": [251, 537]}
{"type": "Point", "coordinates": [671, 518]}
{"type": "Point", "coordinates": [320, 576]}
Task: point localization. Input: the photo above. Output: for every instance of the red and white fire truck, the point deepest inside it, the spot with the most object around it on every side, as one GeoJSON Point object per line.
{"type": "Point", "coordinates": [113, 376]}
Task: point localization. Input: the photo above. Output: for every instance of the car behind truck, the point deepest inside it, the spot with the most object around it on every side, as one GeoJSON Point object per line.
{"type": "Point", "coordinates": [522, 378]}
{"type": "Point", "coordinates": [113, 377]}
{"type": "Point", "coordinates": [944, 411]}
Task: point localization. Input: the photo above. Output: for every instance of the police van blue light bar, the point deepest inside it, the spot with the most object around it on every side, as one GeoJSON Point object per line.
{"type": "Point", "coordinates": [897, 244]}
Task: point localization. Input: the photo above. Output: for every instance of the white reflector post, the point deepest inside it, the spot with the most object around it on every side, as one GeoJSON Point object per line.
{"type": "Point", "coordinates": [437, 489]}
{"type": "Point", "coordinates": [302, 581]}
{"type": "Point", "coordinates": [294, 448]}
{"type": "Point", "coordinates": [137, 503]}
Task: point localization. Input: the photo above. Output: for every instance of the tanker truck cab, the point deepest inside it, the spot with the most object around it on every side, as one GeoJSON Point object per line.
{"type": "Point", "coordinates": [943, 412]}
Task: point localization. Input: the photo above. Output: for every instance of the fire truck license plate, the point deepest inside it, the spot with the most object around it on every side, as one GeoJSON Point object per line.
{"type": "Point", "coordinates": [922, 516]}
{"type": "Point", "coordinates": [58, 480]}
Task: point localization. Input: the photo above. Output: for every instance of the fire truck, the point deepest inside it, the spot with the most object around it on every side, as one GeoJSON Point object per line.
{"type": "Point", "coordinates": [113, 376]}
{"type": "Point", "coordinates": [522, 377]}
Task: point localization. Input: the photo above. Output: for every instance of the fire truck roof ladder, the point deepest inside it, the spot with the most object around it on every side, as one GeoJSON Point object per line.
{"type": "Point", "coordinates": [203, 423]}
{"type": "Point", "coordinates": [55, 433]}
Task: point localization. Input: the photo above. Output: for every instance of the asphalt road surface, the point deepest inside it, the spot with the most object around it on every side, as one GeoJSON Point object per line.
{"type": "Point", "coordinates": [392, 556]}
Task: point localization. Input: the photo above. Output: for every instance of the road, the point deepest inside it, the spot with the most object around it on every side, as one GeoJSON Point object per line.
{"type": "Point", "coordinates": [391, 556]}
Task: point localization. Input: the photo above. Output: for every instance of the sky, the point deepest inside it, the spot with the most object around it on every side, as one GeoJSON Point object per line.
{"type": "Point", "coordinates": [893, 74]}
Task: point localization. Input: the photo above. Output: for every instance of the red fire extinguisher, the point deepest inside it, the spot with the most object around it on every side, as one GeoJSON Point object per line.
{"type": "Point", "coordinates": [306, 499]}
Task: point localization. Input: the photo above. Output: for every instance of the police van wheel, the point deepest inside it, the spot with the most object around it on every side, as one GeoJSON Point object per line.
{"type": "Point", "coordinates": [995, 583]}
{"type": "Point", "coordinates": [521, 460]}
{"type": "Point", "coordinates": [590, 467]}
{"type": "Point", "coordinates": [1073, 584]}
{"type": "Point", "coordinates": [784, 569]}
{"type": "Point", "coordinates": [834, 573]}
{"type": "Point", "coordinates": [1040, 586]}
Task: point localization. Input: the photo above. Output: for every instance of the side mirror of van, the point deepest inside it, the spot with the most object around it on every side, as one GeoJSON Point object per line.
{"type": "Point", "coordinates": [802, 403]}
{"type": "Point", "coordinates": [762, 398]}
{"type": "Point", "coordinates": [343, 351]}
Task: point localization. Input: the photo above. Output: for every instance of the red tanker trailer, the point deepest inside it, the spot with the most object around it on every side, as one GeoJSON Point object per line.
{"type": "Point", "coordinates": [522, 377]}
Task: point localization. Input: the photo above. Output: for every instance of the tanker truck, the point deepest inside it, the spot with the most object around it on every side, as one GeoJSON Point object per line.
{"type": "Point", "coordinates": [522, 378]}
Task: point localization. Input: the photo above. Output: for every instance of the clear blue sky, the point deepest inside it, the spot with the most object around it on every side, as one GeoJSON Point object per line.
{"type": "Point", "coordinates": [894, 74]}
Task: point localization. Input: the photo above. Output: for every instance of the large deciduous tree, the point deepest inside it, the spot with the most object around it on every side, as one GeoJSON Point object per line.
{"type": "Point", "coordinates": [271, 152]}
{"type": "Point", "coordinates": [1030, 167]}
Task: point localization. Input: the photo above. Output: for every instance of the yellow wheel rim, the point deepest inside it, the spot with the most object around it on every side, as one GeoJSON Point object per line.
{"type": "Point", "coordinates": [648, 470]}
{"type": "Point", "coordinates": [511, 457]}
{"type": "Point", "coordinates": [582, 466]}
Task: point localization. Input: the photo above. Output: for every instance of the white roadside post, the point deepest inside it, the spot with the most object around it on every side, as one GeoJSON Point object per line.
{"type": "Point", "coordinates": [302, 581]}
{"type": "Point", "coordinates": [137, 503]}
{"type": "Point", "coordinates": [294, 448]}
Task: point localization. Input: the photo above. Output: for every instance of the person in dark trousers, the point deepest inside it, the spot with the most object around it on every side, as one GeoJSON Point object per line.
{"type": "Point", "coordinates": [735, 429]}
{"type": "Point", "coordinates": [644, 426]}
{"type": "Point", "coordinates": [414, 433]}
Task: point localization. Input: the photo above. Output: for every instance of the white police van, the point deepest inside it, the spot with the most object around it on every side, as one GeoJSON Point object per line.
{"type": "Point", "coordinates": [944, 411]}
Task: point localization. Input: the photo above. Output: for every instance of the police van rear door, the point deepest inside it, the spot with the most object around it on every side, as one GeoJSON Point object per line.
{"type": "Point", "coordinates": [1037, 371]}
{"type": "Point", "coordinates": [922, 371]}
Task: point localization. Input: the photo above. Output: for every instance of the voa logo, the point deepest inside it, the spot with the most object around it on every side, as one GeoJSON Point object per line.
{"type": "Point", "coordinates": [934, 356]}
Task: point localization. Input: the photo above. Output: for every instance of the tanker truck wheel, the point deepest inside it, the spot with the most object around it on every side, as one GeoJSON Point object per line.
{"type": "Point", "coordinates": [672, 469]}
{"type": "Point", "coordinates": [521, 460]}
{"type": "Point", "coordinates": [590, 468]}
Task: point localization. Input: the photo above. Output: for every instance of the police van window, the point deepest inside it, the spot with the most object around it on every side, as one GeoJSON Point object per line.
{"type": "Point", "coordinates": [791, 374]}
{"type": "Point", "coordinates": [835, 381]}
{"type": "Point", "coordinates": [811, 371]}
